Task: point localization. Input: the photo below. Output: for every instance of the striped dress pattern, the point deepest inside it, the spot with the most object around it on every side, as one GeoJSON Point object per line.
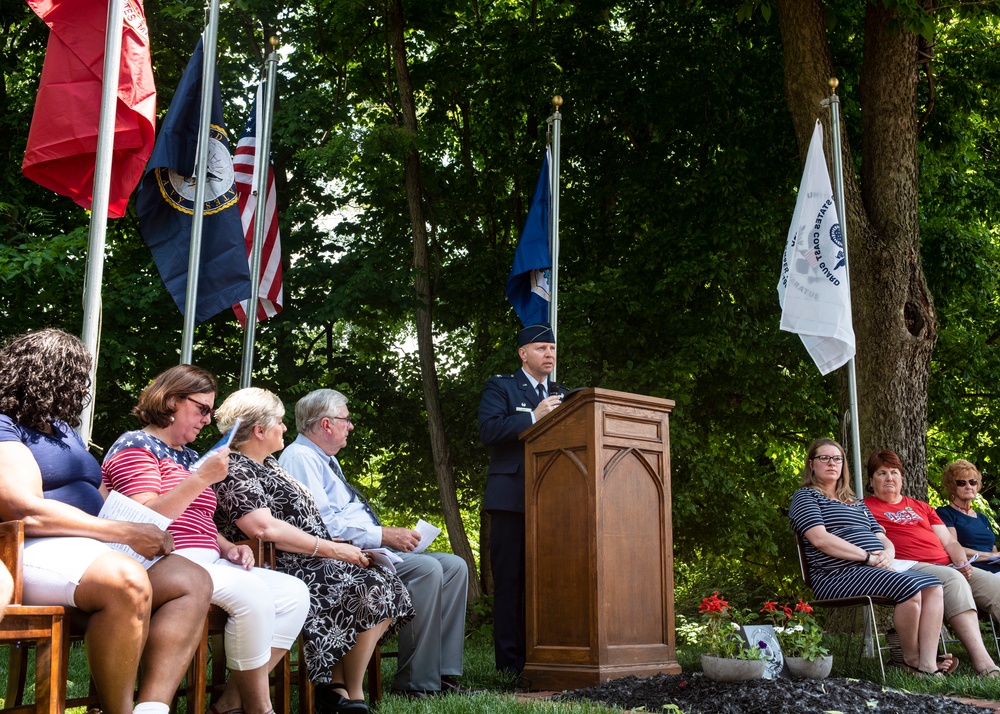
{"type": "Point", "coordinates": [834, 577]}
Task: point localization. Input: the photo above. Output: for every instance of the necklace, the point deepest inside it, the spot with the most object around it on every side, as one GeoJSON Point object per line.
{"type": "Point", "coordinates": [964, 510]}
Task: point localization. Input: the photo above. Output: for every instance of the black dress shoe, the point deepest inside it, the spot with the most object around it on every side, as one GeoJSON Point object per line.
{"type": "Point", "coordinates": [329, 701]}
{"type": "Point", "coordinates": [519, 683]}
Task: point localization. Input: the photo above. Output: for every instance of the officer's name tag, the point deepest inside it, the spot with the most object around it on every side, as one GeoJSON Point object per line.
{"type": "Point", "coordinates": [524, 409]}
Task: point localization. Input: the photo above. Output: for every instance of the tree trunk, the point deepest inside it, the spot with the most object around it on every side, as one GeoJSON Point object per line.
{"type": "Point", "coordinates": [425, 327]}
{"type": "Point", "coordinates": [894, 320]}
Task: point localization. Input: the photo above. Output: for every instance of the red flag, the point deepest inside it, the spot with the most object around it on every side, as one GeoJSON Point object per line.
{"type": "Point", "coordinates": [269, 292]}
{"type": "Point", "coordinates": [62, 142]}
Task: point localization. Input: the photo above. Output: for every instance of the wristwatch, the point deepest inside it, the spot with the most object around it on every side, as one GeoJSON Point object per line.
{"type": "Point", "coordinates": [868, 557]}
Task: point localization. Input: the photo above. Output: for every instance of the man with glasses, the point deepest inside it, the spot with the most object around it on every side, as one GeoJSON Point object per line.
{"type": "Point", "coordinates": [510, 404]}
{"type": "Point", "coordinates": [432, 645]}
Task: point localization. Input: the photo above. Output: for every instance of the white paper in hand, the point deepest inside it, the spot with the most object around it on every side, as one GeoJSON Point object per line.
{"type": "Point", "coordinates": [122, 508]}
{"type": "Point", "coordinates": [428, 532]}
{"type": "Point", "coordinates": [384, 557]}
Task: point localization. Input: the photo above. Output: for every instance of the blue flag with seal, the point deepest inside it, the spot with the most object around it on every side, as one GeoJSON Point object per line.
{"type": "Point", "coordinates": [528, 282]}
{"type": "Point", "coordinates": [165, 203]}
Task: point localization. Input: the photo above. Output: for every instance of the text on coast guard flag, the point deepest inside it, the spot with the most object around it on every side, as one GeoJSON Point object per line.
{"type": "Point", "coordinates": [165, 203]}
{"type": "Point", "coordinates": [528, 282]}
{"type": "Point", "coordinates": [245, 167]}
{"type": "Point", "coordinates": [813, 290]}
{"type": "Point", "coordinates": [62, 143]}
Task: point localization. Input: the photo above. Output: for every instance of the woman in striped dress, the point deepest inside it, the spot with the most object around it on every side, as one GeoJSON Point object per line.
{"type": "Point", "coordinates": [849, 555]}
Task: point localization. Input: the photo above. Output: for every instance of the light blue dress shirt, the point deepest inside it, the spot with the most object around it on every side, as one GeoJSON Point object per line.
{"type": "Point", "coordinates": [345, 516]}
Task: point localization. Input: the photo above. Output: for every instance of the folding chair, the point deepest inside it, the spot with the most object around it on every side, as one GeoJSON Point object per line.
{"type": "Point", "coordinates": [948, 638]}
{"type": "Point", "coordinates": [858, 601]}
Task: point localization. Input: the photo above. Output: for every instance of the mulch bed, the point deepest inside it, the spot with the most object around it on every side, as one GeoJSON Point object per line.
{"type": "Point", "coordinates": [695, 694]}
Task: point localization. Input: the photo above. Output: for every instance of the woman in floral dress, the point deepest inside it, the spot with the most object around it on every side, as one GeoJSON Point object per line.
{"type": "Point", "coordinates": [353, 603]}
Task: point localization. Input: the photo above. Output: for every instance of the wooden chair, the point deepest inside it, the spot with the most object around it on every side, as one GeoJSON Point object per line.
{"type": "Point", "coordinates": [285, 673]}
{"type": "Point", "coordinates": [853, 602]}
{"type": "Point", "coordinates": [299, 673]}
{"type": "Point", "coordinates": [53, 628]}
{"type": "Point", "coordinates": [307, 696]}
{"type": "Point", "coordinates": [45, 626]}
{"type": "Point", "coordinates": [200, 682]}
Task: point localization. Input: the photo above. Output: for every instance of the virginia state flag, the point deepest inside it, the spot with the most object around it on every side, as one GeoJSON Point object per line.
{"type": "Point", "coordinates": [165, 203]}
{"type": "Point", "coordinates": [813, 289]}
{"type": "Point", "coordinates": [62, 142]}
{"type": "Point", "coordinates": [528, 282]}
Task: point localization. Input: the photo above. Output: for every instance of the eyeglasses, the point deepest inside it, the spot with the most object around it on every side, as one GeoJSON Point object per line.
{"type": "Point", "coordinates": [206, 411]}
{"type": "Point", "coordinates": [962, 482]}
{"type": "Point", "coordinates": [824, 458]}
{"type": "Point", "coordinates": [347, 419]}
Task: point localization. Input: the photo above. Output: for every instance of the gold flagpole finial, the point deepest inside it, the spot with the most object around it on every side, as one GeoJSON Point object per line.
{"type": "Point", "coordinates": [557, 102]}
{"type": "Point", "coordinates": [834, 83]}
{"type": "Point", "coordinates": [274, 42]}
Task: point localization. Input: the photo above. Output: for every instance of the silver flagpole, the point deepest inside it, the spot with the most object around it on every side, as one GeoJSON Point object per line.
{"type": "Point", "coordinates": [838, 196]}
{"type": "Point", "coordinates": [261, 168]}
{"type": "Point", "coordinates": [556, 123]}
{"type": "Point", "coordinates": [210, 37]}
{"type": "Point", "coordinates": [99, 209]}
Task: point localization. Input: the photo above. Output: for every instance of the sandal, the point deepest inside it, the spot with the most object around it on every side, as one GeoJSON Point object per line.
{"type": "Point", "coordinates": [990, 672]}
{"type": "Point", "coordinates": [213, 710]}
{"type": "Point", "coordinates": [916, 672]}
{"type": "Point", "coordinates": [947, 663]}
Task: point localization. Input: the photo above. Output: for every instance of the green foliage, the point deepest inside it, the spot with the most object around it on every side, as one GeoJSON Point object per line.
{"type": "Point", "coordinates": [797, 630]}
{"type": "Point", "coordinates": [678, 176]}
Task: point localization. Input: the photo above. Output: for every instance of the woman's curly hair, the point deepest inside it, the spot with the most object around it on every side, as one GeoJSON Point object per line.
{"type": "Point", "coordinates": [44, 376]}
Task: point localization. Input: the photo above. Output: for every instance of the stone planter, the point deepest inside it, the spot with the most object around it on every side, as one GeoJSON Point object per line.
{"type": "Point", "coordinates": [810, 668]}
{"type": "Point", "coordinates": [725, 669]}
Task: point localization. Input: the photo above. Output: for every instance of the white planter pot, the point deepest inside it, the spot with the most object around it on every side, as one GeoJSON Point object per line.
{"type": "Point", "coordinates": [810, 668]}
{"type": "Point", "coordinates": [725, 669]}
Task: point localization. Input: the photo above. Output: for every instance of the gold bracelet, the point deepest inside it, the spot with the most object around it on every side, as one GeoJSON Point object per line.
{"type": "Point", "coordinates": [316, 549]}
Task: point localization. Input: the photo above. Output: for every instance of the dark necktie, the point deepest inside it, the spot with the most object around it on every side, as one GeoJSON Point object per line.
{"type": "Point", "coordinates": [355, 492]}
{"type": "Point", "coordinates": [541, 390]}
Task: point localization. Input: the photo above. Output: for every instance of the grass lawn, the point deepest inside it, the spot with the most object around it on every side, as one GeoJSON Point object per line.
{"type": "Point", "coordinates": [496, 696]}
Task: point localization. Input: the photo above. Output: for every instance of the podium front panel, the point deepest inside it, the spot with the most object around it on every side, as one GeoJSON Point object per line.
{"type": "Point", "coordinates": [630, 524]}
{"type": "Point", "coordinates": [599, 600]}
{"type": "Point", "coordinates": [563, 590]}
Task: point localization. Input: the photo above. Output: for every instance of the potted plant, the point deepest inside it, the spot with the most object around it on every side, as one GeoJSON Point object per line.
{"type": "Point", "coordinates": [801, 639]}
{"type": "Point", "coordinates": [729, 658]}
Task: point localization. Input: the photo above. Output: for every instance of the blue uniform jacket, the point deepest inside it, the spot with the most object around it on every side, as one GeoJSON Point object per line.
{"type": "Point", "coordinates": [504, 412]}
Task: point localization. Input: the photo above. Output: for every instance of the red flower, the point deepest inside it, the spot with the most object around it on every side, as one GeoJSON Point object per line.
{"type": "Point", "coordinates": [713, 604]}
{"type": "Point", "coordinates": [769, 606]}
{"type": "Point", "coordinates": [788, 611]}
{"type": "Point", "coordinates": [803, 606]}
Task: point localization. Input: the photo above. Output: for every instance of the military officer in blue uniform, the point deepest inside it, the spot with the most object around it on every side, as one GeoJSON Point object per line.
{"type": "Point", "coordinates": [510, 404]}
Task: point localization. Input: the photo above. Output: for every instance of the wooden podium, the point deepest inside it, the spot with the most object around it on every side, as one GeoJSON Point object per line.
{"type": "Point", "coordinates": [599, 547]}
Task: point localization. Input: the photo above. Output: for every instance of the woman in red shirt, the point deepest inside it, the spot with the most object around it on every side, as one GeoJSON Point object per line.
{"type": "Point", "coordinates": [923, 543]}
{"type": "Point", "coordinates": [154, 467]}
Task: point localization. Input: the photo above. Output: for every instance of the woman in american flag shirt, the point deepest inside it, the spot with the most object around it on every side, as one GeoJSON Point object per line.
{"type": "Point", "coordinates": [154, 466]}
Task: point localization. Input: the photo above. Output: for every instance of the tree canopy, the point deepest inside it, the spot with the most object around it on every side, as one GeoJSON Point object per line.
{"type": "Point", "coordinates": [681, 151]}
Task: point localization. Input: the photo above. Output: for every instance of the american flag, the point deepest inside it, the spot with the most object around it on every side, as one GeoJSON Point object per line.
{"type": "Point", "coordinates": [269, 292]}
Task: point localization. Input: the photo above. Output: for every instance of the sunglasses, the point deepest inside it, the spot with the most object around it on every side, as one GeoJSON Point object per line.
{"type": "Point", "coordinates": [962, 482]}
{"type": "Point", "coordinates": [206, 411]}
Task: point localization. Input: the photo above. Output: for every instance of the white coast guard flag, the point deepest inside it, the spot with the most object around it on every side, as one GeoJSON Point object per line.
{"type": "Point", "coordinates": [813, 291]}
